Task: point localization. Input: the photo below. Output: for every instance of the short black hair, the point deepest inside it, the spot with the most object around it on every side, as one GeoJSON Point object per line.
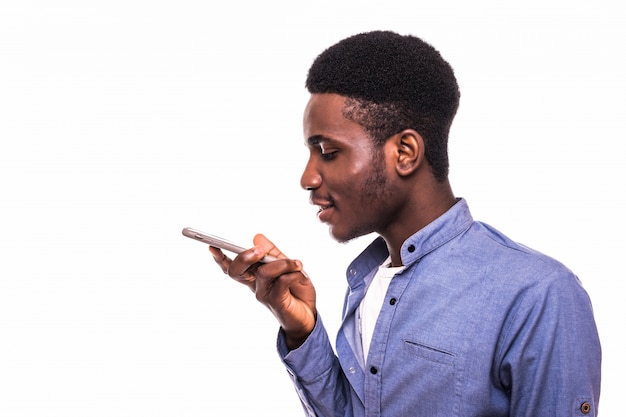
{"type": "Point", "coordinates": [392, 82]}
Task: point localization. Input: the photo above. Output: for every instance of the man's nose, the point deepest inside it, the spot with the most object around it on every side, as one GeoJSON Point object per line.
{"type": "Point", "coordinates": [311, 178]}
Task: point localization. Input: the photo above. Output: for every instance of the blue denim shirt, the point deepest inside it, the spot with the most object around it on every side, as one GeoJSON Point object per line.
{"type": "Point", "coordinates": [476, 325]}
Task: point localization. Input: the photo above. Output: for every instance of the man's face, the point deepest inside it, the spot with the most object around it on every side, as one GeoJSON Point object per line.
{"type": "Point", "coordinates": [346, 173]}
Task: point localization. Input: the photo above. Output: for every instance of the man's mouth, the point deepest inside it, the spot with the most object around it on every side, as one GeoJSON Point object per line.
{"type": "Point", "coordinates": [324, 213]}
{"type": "Point", "coordinates": [325, 210]}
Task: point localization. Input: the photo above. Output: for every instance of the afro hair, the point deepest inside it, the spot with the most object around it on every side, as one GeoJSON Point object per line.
{"type": "Point", "coordinates": [393, 82]}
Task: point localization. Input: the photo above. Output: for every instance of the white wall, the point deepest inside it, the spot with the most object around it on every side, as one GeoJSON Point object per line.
{"type": "Point", "coordinates": [121, 122]}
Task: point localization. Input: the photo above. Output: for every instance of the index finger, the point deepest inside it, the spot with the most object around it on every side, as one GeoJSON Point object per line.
{"type": "Point", "coordinates": [220, 258]}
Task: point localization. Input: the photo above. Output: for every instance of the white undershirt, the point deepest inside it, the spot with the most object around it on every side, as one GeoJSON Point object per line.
{"type": "Point", "coordinates": [373, 301]}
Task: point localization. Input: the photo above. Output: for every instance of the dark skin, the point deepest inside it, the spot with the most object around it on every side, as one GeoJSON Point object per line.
{"type": "Point", "coordinates": [360, 189]}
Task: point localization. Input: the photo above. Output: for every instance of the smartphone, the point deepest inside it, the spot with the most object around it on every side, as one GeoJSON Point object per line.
{"type": "Point", "coordinates": [218, 242]}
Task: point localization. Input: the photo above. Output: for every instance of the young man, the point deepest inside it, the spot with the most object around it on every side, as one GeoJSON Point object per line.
{"type": "Point", "coordinates": [444, 315]}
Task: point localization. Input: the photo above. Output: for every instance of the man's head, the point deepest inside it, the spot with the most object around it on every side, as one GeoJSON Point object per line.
{"type": "Point", "coordinates": [392, 82]}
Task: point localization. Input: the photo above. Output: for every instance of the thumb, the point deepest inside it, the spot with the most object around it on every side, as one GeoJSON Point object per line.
{"type": "Point", "coordinates": [267, 246]}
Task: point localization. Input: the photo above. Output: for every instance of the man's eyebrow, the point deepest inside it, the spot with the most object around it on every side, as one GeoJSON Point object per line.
{"type": "Point", "coordinates": [316, 140]}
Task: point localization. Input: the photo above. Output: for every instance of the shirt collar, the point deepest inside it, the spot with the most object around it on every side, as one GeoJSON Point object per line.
{"type": "Point", "coordinates": [443, 229]}
{"type": "Point", "coordinates": [439, 232]}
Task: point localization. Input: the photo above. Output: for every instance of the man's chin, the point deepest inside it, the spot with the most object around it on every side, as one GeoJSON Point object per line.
{"type": "Point", "coordinates": [342, 237]}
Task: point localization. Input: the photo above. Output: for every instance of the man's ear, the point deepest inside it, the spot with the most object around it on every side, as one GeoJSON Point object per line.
{"type": "Point", "coordinates": [410, 151]}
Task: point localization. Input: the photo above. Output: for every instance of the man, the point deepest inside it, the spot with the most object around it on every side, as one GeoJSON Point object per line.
{"type": "Point", "coordinates": [444, 315]}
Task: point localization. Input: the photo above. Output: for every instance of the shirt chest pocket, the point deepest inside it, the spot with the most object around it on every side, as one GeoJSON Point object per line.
{"type": "Point", "coordinates": [437, 376]}
{"type": "Point", "coordinates": [429, 353]}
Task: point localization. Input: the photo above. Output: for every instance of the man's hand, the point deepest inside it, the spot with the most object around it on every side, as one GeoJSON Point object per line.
{"type": "Point", "coordinates": [282, 286]}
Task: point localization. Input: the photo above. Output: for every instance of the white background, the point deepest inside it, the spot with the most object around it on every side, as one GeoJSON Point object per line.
{"type": "Point", "coordinates": [121, 122]}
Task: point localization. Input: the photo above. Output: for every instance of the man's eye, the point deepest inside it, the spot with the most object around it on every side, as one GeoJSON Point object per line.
{"type": "Point", "coordinates": [327, 156]}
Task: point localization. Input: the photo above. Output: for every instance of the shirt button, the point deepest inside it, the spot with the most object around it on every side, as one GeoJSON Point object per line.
{"type": "Point", "coordinates": [373, 370]}
{"type": "Point", "coordinates": [411, 248]}
{"type": "Point", "coordinates": [352, 272]}
{"type": "Point", "coordinates": [352, 369]}
{"type": "Point", "coordinates": [585, 407]}
{"type": "Point", "coordinates": [392, 301]}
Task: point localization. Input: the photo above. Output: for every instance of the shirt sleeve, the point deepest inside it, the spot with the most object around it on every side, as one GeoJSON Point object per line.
{"type": "Point", "coordinates": [317, 375]}
{"type": "Point", "coordinates": [550, 351]}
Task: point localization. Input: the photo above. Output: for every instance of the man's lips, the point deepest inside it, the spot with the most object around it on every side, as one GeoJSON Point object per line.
{"type": "Point", "coordinates": [325, 213]}
{"type": "Point", "coordinates": [325, 208]}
